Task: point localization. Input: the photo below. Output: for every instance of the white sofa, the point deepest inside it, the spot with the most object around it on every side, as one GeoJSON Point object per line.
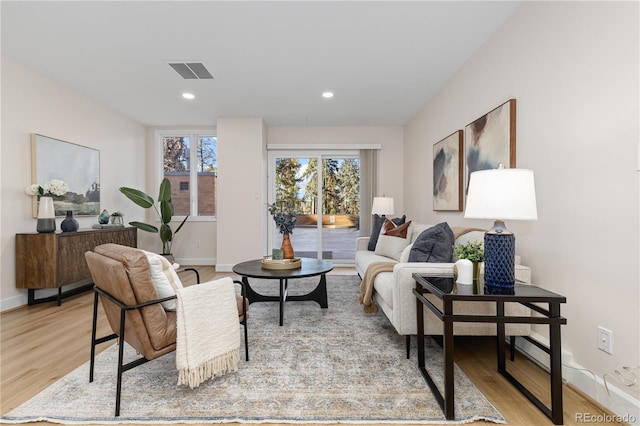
{"type": "Point", "coordinates": [393, 290]}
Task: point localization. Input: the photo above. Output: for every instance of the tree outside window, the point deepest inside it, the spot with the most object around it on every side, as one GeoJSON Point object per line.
{"type": "Point", "coordinates": [179, 154]}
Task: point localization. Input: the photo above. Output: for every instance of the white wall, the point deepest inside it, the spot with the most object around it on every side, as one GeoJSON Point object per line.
{"type": "Point", "coordinates": [241, 190]}
{"type": "Point", "coordinates": [573, 68]}
{"type": "Point", "coordinates": [33, 104]}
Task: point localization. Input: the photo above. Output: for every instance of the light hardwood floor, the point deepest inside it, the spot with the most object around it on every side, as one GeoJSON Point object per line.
{"type": "Point", "coordinates": [42, 343]}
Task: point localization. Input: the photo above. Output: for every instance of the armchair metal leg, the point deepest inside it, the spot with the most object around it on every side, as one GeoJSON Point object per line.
{"type": "Point", "coordinates": [96, 341]}
{"type": "Point", "coordinates": [120, 361]}
{"type": "Point", "coordinates": [94, 326]}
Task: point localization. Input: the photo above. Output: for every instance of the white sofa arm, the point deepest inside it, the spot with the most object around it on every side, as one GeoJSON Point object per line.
{"type": "Point", "coordinates": [404, 302]}
{"type": "Point", "coordinates": [362, 243]}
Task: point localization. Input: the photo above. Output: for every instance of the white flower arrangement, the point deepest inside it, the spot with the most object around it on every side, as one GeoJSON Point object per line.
{"type": "Point", "coordinates": [53, 187]}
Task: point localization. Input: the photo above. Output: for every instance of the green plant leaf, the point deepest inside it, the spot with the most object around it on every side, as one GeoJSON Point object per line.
{"type": "Point", "coordinates": [166, 211]}
{"type": "Point", "coordinates": [182, 223]}
{"type": "Point", "coordinates": [144, 227]}
{"type": "Point", "coordinates": [165, 191]}
{"type": "Point", "coordinates": [138, 197]}
{"type": "Point", "coordinates": [165, 233]}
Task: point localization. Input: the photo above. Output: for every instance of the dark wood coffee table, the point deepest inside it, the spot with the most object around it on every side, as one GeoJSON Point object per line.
{"type": "Point", "coordinates": [309, 268]}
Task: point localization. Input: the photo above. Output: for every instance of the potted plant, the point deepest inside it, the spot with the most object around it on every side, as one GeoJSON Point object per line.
{"type": "Point", "coordinates": [474, 252]}
{"type": "Point", "coordinates": [117, 218]}
{"type": "Point", "coordinates": [164, 210]}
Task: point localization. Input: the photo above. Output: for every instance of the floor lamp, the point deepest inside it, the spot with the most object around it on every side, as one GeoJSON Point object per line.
{"type": "Point", "coordinates": [501, 194]}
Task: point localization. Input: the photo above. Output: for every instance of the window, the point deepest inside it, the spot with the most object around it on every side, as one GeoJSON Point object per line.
{"type": "Point", "coordinates": [189, 161]}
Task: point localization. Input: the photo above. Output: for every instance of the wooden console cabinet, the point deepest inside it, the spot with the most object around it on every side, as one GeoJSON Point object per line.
{"type": "Point", "coordinates": [53, 260]}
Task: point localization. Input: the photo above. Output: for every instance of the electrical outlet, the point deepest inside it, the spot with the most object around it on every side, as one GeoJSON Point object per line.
{"type": "Point", "coordinates": [605, 340]}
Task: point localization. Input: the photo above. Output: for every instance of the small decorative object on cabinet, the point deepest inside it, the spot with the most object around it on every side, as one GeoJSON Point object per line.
{"type": "Point", "coordinates": [117, 219]}
{"type": "Point", "coordinates": [69, 224]}
{"type": "Point", "coordinates": [103, 219]}
{"type": "Point", "coordinates": [46, 221]}
{"type": "Point", "coordinates": [42, 196]}
{"type": "Point", "coordinates": [53, 260]}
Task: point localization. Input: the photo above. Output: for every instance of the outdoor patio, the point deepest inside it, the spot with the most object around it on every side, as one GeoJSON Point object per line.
{"type": "Point", "coordinates": [339, 244]}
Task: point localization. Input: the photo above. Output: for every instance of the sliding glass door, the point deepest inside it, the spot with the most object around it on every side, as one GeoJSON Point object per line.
{"type": "Point", "coordinates": [323, 189]}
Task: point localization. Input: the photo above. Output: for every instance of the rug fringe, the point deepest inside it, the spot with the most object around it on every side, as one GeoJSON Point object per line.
{"type": "Point", "coordinates": [216, 366]}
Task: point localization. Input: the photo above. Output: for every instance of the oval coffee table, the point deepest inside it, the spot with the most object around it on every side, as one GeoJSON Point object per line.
{"type": "Point", "coordinates": [309, 268]}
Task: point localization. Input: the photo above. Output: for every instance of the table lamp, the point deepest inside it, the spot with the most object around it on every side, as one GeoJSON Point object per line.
{"type": "Point", "coordinates": [382, 206]}
{"type": "Point", "coordinates": [501, 194]}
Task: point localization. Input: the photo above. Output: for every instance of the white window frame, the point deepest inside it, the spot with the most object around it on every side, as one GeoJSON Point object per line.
{"type": "Point", "coordinates": [192, 134]}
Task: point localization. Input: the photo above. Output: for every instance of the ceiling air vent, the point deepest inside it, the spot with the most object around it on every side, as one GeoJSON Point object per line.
{"type": "Point", "coordinates": [191, 70]}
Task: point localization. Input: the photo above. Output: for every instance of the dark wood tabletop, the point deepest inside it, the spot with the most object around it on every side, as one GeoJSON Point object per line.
{"type": "Point", "coordinates": [309, 268]}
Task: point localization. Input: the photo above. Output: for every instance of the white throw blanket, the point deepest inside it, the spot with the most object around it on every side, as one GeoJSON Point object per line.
{"type": "Point", "coordinates": [208, 331]}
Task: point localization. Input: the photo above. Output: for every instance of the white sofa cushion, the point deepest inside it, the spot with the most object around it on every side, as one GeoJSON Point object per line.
{"type": "Point", "coordinates": [391, 246]}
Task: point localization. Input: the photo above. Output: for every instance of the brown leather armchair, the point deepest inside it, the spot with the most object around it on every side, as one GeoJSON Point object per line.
{"type": "Point", "coordinates": [123, 282]}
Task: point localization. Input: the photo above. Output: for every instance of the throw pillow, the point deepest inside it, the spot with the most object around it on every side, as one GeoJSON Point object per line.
{"type": "Point", "coordinates": [433, 245]}
{"type": "Point", "coordinates": [394, 230]}
{"type": "Point", "coordinates": [164, 278]}
{"type": "Point", "coordinates": [376, 229]}
{"type": "Point", "coordinates": [392, 247]}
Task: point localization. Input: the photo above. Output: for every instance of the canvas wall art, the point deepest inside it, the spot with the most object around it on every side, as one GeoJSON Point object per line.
{"type": "Point", "coordinates": [447, 173]}
{"type": "Point", "coordinates": [76, 165]}
{"type": "Point", "coordinates": [491, 140]}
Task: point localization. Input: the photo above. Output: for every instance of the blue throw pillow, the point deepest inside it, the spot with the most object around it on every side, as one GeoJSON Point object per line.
{"type": "Point", "coordinates": [378, 221]}
{"type": "Point", "coordinates": [433, 245]}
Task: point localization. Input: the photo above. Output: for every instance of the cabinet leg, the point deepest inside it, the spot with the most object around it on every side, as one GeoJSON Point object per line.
{"type": "Point", "coordinates": [31, 295]}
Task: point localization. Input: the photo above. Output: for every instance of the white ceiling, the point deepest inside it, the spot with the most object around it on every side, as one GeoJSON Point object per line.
{"type": "Point", "coordinates": [382, 59]}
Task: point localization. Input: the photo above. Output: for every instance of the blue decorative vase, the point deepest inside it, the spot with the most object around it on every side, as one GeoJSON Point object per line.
{"type": "Point", "coordinates": [69, 224]}
{"type": "Point", "coordinates": [499, 257]}
{"type": "Point", "coordinates": [103, 219]}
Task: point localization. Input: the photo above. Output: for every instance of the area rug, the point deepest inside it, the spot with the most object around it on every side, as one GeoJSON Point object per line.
{"type": "Point", "coordinates": [335, 365]}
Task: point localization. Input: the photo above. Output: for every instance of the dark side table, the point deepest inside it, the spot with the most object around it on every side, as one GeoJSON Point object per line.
{"type": "Point", "coordinates": [528, 295]}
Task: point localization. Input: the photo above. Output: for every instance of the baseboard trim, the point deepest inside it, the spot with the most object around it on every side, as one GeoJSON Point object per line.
{"type": "Point", "coordinates": [13, 302]}
{"type": "Point", "coordinates": [222, 267]}
{"type": "Point", "coordinates": [624, 406]}
{"type": "Point", "coordinates": [195, 261]}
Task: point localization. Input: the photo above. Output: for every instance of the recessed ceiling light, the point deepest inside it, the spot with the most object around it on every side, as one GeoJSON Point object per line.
{"type": "Point", "coordinates": [188, 96]}
{"type": "Point", "coordinates": [327, 95]}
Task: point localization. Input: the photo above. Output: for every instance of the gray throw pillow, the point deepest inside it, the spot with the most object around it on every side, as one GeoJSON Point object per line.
{"type": "Point", "coordinates": [378, 221]}
{"type": "Point", "coordinates": [433, 245]}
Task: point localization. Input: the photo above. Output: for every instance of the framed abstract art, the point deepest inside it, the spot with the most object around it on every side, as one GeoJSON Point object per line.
{"type": "Point", "coordinates": [490, 141]}
{"type": "Point", "coordinates": [447, 173]}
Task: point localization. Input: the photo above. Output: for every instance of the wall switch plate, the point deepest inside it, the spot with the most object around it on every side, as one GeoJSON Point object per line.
{"type": "Point", "coordinates": [605, 340]}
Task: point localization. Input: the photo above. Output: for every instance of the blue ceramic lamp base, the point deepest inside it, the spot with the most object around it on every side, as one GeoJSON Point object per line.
{"type": "Point", "coordinates": [499, 257]}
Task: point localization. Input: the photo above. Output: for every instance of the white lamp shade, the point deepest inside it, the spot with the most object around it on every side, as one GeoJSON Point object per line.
{"type": "Point", "coordinates": [501, 194]}
{"type": "Point", "coordinates": [382, 206]}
